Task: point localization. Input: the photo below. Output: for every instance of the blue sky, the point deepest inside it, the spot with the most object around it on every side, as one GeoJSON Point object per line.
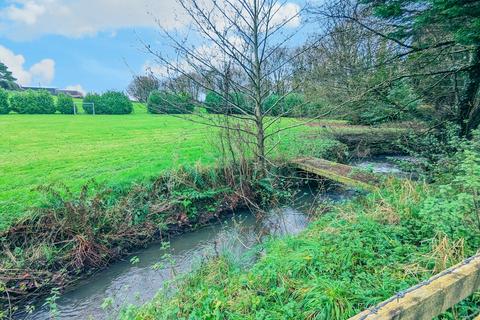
{"type": "Point", "coordinates": [90, 45]}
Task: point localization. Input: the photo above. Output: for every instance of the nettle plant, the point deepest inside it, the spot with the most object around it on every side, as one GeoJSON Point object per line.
{"type": "Point", "coordinates": [459, 197]}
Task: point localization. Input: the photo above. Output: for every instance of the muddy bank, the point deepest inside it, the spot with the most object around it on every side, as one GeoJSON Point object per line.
{"type": "Point", "coordinates": [73, 236]}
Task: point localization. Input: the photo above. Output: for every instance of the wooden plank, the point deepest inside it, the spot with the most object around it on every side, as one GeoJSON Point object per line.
{"type": "Point", "coordinates": [337, 172]}
{"type": "Point", "coordinates": [440, 293]}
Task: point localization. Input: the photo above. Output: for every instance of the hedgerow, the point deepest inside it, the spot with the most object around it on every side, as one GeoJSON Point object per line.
{"type": "Point", "coordinates": [32, 102]}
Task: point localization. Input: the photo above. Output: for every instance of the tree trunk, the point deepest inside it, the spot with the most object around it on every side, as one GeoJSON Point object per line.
{"type": "Point", "coordinates": [258, 86]}
{"type": "Point", "coordinates": [260, 141]}
{"type": "Point", "coordinates": [469, 115]}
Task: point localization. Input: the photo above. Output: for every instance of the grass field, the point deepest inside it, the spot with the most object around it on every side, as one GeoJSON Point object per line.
{"type": "Point", "coordinates": [116, 150]}
{"type": "Point", "coordinates": [71, 150]}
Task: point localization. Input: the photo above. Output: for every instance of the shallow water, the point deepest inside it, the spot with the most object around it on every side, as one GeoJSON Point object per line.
{"type": "Point", "coordinates": [125, 282]}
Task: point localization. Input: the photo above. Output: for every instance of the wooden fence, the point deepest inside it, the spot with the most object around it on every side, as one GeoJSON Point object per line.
{"type": "Point", "coordinates": [432, 297]}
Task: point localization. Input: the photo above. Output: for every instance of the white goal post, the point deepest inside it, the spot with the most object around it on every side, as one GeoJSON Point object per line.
{"type": "Point", "coordinates": [82, 104]}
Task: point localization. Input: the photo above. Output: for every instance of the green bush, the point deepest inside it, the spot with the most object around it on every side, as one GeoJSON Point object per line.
{"type": "Point", "coordinates": [32, 102]}
{"type": "Point", "coordinates": [215, 103]}
{"type": "Point", "coordinates": [88, 100]}
{"type": "Point", "coordinates": [111, 102]}
{"type": "Point", "coordinates": [4, 105]}
{"type": "Point", "coordinates": [65, 104]}
{"type": "Point", "coordinates": [293, 104]}
{"type": "Point", "coordinates": [163, 102]}
{"type": "Point", "coordinates": [397, 103]}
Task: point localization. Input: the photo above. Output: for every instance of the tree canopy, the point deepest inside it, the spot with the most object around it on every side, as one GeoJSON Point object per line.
{"type": "Point", "coordinates": [7, 80]}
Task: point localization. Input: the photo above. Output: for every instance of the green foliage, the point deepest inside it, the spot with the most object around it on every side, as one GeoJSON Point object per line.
{"type": "Point", "coordinates": [4, 104]}
{"type": "Point", "coordinates": [91, 98]}
{"type": "Point", "coordinates": [396, 103]}
{"type": "Point", "coordinates": [163, 102]}
{"type": "Point", "coordinates": [32, 102]}
{"type": "Point", "coordinates": [65, 104]}
{"type": "Point", "coordinates": [313, 146]}
{"type": "Point", "coordinates": [236, 103]}
{"type": "Point", "coordinates": [434, 151]}
{"type": "Point", "coordinates": [110, 102]}
{"type": "Point", "coordinates": [214, 102]}
{"type": "Point", "coordinates": [461, 18]}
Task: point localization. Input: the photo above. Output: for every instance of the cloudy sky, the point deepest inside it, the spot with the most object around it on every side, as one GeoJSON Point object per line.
{"type": "Point", "coordinates": [90, 45]}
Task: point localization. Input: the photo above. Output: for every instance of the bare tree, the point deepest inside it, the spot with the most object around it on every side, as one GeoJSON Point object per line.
{"type": "Point", "coordinates": [233, 49]}
{"type": "Point", "coordinates": [141, 86]}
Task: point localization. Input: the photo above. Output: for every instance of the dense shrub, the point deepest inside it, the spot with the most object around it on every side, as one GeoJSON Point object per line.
{"type": "Point", "coordinates": [4, 105]}
{"type": "Point", "coordinates": [215, 103]}
{"type": "Point", "coordinates": [163, 102]}
{"type": "Point", "coordinates": [397, 103]}
{"type": "Point", "coordinates": [65, 104]}
{"type": "Point", "coordinates": [111, 102]}
{"type": "Point", "coordinates": [293, 104]}
{"type": "Point", "coordinates": [88, 100]}
{"type": "Point", "coordinates": [32, 102]}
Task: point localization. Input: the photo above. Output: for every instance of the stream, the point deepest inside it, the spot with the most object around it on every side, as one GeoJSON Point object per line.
{"type": "Point", "coordinates": [137, 280]}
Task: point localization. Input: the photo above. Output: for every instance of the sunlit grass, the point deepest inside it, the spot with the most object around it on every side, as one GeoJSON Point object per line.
{"type": "Point", "coordinates": [112, 149]}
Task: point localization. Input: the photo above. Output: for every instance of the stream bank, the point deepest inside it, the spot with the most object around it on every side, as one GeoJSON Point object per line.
{"type": "Point", "coordinates": [137, 281]}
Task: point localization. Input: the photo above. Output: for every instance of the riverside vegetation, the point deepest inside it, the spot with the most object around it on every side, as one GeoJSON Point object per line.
{"type": "Point", "coordinates": [77, 193]}
{"type": "Point", "coordinates": [352, 257]}
{"type": "Point", "coordinates": [137, 195]}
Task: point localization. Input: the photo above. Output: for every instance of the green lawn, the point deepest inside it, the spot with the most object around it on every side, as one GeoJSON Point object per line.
{"type": "Point", "coordinates": [65, 149]}
{"type": "Point", "coordinates": [43, 149]}
{"type": "Point", "coordinates": [116, 150]}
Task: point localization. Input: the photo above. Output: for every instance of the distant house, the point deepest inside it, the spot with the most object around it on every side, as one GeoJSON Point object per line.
{"type": "Point", "coordinates": [55, 91]}
{"type": "Point", "coordinates": [51, 90]}
{"type": "Point", "coordinates": [72, 93]}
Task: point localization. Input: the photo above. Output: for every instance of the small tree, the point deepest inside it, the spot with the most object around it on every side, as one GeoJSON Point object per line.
{"type": "Point", "coordinates": [141, 87]}
{"type": "Point", "coordinates": [231, 55]}
{"type": "Point", "coordinates": [4, 104]}
{"type": "Point", "coordinates": [115, 102]}
{"type": "Point", "coordinates": [65, 104]}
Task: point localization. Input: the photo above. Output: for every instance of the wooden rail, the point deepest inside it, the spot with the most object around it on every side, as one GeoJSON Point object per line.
{"type": "Point", "coordinates": [425, 302]}
{"type": "Point", "coordinates": [340, 173]}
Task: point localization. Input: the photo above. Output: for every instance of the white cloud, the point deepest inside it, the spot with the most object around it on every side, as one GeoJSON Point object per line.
{"type": "Point", "coordinates": [24, 19]}
{"type": "Point", "coordinates": [79, 18]}
{"type": "Point", "coordinates": [40, 73]}
{"type": "Point", "coordinates": [27, 14]}
{"type": "Point", "coordinates": [288, 12]}
{"type": "Point", "coordinates": [43, 71]}
{"type": "Point", "coordinates": [77, 87]}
